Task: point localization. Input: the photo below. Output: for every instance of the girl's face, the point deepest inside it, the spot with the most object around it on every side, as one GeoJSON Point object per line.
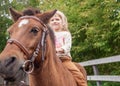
{"type": "Point", "coordinates": [56, 23]}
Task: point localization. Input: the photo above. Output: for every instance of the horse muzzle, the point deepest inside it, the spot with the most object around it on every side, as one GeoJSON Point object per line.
{"type": "Point", "coordinates": [10, 68]}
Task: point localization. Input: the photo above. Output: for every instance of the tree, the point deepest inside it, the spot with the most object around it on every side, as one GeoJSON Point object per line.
{"type": "Point", "coordinates": [5, 22]}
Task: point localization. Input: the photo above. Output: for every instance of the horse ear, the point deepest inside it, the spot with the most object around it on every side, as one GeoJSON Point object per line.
{"type": "Point", "coordinates": [15, 15]}
{"type": "Point", "coordinates": [46, 16]}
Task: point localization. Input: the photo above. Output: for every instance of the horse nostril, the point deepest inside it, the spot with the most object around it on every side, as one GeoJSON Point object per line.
{"type": "Point", "coordinates": [10, 61]}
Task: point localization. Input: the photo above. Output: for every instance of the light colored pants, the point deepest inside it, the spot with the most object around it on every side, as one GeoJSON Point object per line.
{"type": "Point", "coordinates": [78, 76]}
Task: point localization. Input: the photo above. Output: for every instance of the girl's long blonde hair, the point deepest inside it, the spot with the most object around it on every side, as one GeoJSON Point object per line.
{"type": "Point", "coordinates": [64, 20]}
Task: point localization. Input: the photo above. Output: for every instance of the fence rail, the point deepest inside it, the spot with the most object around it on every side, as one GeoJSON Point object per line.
{"type": "Point", "coordinates": [96, 77]}
{"type": "Point", "coordinates": [104, 78]}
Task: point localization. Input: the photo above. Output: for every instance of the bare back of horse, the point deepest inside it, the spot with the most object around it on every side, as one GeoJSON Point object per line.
{"type": "Point", "coordinates": [31, 49]}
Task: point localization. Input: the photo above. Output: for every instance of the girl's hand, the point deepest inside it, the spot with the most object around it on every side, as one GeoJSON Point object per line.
{"type": "Point", "coordinates": [59, 50]}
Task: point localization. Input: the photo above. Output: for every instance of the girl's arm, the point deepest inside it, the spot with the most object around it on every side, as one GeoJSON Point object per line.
{"type": "Point", "coordinates": [67, 43]}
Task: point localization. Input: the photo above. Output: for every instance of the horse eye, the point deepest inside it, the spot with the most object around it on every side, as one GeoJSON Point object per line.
{"type": "Point", "coordinates": [34, 30]}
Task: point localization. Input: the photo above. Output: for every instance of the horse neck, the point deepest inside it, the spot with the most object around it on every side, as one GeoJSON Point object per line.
{"type": "Point", "coordinates": [52, 62]}
{"type": "Point", "coordinates": [51, 71]}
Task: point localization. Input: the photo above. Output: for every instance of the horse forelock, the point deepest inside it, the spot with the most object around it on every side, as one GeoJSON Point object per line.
{"type": "Point", "coordinates": [31, 11]}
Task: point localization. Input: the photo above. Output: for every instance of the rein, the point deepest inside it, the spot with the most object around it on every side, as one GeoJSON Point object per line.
{"type": "Point", "coordinates": [41, 44]}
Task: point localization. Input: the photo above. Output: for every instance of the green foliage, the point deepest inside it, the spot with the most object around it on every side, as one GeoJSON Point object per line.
{"type": "Point", "coordinates": [110, 84]}
{"type": "Point", "coordinates": [4, 24]}
{"type": "Point", "coordinates": [104, 84]}
{"type": "Point", "coordinates": [100, 29]}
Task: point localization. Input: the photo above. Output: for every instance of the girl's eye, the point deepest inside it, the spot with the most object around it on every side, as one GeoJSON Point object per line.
{"type": "Point", "coordinates": [34, 30]}
{"type": "Point", "coordinates": [52, 19]}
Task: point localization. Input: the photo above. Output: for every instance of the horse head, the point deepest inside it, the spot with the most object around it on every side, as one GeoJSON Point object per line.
{"type": "Point", "coordinates": [26, 43]}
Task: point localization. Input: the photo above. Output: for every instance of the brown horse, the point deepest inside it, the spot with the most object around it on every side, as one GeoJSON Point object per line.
{"type": "Point", "coordinates": [31, 49]}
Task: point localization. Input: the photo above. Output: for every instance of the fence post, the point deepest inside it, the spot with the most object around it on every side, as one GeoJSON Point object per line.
{"type": "Point", "coordinates": [96, 72]}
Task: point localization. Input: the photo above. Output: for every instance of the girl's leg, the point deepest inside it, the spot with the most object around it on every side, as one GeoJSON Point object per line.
{"type": "Point", "coordinates": [78, 76]}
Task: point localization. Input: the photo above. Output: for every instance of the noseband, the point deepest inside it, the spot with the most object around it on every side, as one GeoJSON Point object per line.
{"type": "Point", "coordinates": [41, 44]}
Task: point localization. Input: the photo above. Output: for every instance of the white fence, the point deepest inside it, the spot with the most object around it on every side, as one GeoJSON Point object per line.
{"type": "Point", "coordinates": [96, 77]}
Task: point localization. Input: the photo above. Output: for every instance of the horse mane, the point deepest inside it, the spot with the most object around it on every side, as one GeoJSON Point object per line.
{"type": "Point", "coordinates": [52, 36]}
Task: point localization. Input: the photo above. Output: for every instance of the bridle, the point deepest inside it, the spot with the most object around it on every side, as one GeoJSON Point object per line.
{"type": "Point", "coordinates": [41, 44]}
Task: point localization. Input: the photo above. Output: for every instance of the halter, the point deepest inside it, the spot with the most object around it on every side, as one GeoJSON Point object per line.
{"type": "Point", "coordinates": [41, 44]}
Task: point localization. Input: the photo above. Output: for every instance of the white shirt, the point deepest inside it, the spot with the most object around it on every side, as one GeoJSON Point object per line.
{"type": "Point", "coordinates": [63, 40]}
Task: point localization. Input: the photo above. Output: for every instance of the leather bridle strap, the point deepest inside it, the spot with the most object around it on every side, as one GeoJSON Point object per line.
{"type": "Point", "coordinates": [22, 47]}
{"type": "Point", "coordinates": [41, 45]}
{"type": "Point", "coordinates": [14, 41]}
